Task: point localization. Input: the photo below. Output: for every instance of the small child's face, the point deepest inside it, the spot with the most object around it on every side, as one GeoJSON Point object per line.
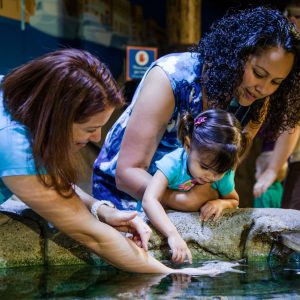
{"type": "Point", "coordinates": [199, 170]}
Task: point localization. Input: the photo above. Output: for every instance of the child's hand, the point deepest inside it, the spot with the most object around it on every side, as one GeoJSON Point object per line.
{"type": "Point", "coordinates": [179, 249]}
{"type": "Point", "coordinates": [210, 208]}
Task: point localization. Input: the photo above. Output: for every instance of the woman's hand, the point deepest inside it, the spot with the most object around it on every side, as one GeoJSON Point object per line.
{"type": "Point", "coordinates": [263, 182]}
{"type": "Point", "coordinates": [141, 232]}
{"type": "Point", "coordinates": [179, 249]}
{"type": "Point", "coordinates": [264, 175]}
{"type": "Point", "coordinates": [127, 221]}
{"type": "Point", "coordinates": [73, 217]}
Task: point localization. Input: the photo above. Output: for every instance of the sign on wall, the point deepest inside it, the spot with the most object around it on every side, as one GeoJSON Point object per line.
{"type": "Point", "coordinates": [138, 60]}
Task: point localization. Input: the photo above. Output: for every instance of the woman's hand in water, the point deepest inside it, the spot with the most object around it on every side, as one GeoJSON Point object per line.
{"type": "Point", "coordinates": [179, 249]}
{"type": "Point", "coordinates": [129, 222]}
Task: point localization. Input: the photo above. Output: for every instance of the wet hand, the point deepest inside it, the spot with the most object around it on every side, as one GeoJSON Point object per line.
{"type": "Point", "coordinates": [141, 232]}
{"type": "Point", "coordinates": [129, 222]}
{"type": "Point", "coordinates": [211, 208]}
{"type": "Point", "coordinates": [179, 248]}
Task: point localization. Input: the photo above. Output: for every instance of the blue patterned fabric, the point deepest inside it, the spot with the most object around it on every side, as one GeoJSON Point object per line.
{"type": "Point", "coordinates": [184, 73]}
{"type": "Point", "coordinates": [174, 166]}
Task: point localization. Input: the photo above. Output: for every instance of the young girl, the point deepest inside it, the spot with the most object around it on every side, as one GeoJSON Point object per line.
{"type": "Point", "coordinates": [212, 145]}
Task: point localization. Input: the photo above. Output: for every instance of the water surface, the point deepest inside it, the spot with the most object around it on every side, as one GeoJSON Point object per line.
{"type": "Point", "coordinates": [257, 281]}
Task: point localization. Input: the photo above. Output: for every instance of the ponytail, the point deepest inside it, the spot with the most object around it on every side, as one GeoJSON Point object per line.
{"type": "Point", "coordinates": [185, 127]}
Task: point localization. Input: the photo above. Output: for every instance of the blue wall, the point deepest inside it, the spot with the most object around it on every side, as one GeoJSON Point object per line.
{"type": "Point", "coordinates": [17, 47]}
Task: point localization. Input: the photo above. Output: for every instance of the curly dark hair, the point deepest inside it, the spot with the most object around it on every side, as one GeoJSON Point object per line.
{"type": "Point", "coordinates": [228, 46]}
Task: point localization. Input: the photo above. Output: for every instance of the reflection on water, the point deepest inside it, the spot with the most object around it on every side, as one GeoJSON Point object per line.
{"type": "Point", "coordinates": [258, 281]}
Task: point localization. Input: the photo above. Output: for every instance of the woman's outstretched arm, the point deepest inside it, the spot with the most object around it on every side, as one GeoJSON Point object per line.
{"type": "Point", "coordinates": [125, 221]}
{"type": "Point", "coordinates": [72, 217]}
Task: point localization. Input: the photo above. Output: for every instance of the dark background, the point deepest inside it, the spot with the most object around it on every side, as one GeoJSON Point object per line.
{"type": "Point", "coordinates": [19, 46]}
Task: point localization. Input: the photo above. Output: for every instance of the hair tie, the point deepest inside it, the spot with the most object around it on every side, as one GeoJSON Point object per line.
{"type": "Point", "coordinates": [199, 121]}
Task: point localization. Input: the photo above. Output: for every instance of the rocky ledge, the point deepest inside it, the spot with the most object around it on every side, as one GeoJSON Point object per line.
{"type": "Point", "coordinates": [252, 234]}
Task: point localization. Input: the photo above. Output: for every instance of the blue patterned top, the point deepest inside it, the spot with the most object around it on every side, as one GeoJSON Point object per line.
{"type": "Point", "coordinates": [183, 71]}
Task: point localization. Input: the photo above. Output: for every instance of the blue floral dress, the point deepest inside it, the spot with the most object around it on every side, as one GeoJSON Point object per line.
{"type": "Point", "coordinates": [184, 72]}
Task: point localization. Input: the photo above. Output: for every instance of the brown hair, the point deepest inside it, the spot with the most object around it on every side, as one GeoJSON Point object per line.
{"type": "Point", "coordinates": [217, 134]}
{"type": "Point", "coordinates": [48, 95]}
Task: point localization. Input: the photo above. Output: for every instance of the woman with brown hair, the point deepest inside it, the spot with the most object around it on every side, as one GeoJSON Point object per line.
{"type": "Point", "coordinates": [50, 108]}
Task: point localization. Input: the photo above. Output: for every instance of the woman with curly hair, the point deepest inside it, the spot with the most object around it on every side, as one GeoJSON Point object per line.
{"type": "Point", "coordinates": [279, 152]}
{"type": "Point", "coordinates": [248, 64]}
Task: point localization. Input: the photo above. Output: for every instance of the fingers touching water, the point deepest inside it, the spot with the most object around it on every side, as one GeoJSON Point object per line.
{"type": "Point", "coordinates": [179, 249]}
{"type": "Point", "coordinates": [128, 222]}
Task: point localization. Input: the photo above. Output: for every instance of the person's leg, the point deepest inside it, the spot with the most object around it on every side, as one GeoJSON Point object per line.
{"type": "Point", "coordinates": [291, 193]}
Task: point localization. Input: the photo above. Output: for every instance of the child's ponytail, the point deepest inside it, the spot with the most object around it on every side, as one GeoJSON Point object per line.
{"type": "Point", "coordinates": [185, 127]}
{"type": "Point", "coordinates": [217, 135]}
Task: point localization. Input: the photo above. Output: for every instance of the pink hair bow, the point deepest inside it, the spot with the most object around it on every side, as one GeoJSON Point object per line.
{"type": "Point", "coordinates": [199, 121]}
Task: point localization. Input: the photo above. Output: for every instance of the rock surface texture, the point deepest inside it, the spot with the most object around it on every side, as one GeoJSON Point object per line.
{"type": "Point", "coordinates": [246, 233]}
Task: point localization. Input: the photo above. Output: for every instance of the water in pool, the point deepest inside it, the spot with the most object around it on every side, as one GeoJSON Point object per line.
{"type": "Point", "coordinates": [252, 281]}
